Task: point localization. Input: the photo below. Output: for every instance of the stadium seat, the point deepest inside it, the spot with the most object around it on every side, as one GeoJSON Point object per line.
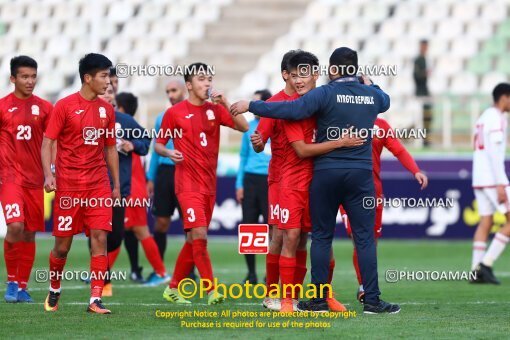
{"type": "Point", "coordinates": [162, 28]}
{"type": "Point", "coordinates": [150, 11]}
{"type": "Point", "coordinates": [464, 47]}
{"type": "Point", "coordinates": [136, 28]}
{"type": "Point", "coordinates": [480, 64]}
{"type": "Point", "coordinates": [490, 79]}
{"type": "Point", "coordinates": [120, 12]}
{"type": "Point", "coordinates": [464, 84]}
{"type": "Point", "coordinates": [318, 11]}
{"type": "Point", "coordinates": [450, 29]}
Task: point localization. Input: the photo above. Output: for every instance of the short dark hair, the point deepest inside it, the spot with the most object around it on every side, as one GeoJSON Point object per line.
{"type": "Point", "coordinates": [22, 61]}
{"type": "Point", "coordinates": [264, 94]}
{"type": "Point", "coordinates": [502, 89]}
{"type": "Point", "coordinates": [285, 59]}
{"type": "Point", "coordinates": [92, 63]}
{"type": "Point", "coordinates": [194, 69]}
{"type": "Point", "coordinates": [343, 57]}
{"type": "Point", "coordinates": [113, 72]}
{"type": "Point", "coordinates": [302, 58]}
{"type": "Point", "coordinates": [128, 101]}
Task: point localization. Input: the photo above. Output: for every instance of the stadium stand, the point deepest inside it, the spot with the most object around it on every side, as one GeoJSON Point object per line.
{"type": "Point", "coordinates": [466, 58]}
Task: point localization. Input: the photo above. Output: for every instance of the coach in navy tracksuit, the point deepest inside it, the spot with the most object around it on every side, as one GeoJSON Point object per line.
{"type": "Point", "coordinates": [343, 176]}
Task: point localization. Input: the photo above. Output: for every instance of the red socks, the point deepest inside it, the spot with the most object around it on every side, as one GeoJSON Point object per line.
{"type": "Point", "coordinates": [56, 269]}
{"type": "Point", "coordinates": [25, 263]}
{"type": "Point", "coordinates": [272, 271]}
{"type": "Point", "coordinates": [98, 267]}
{"type": "Point", "coordinates": [183, 265]}
{"type": "Point", "coordinates": [287, 273]}
{"type": "Point", "coordinates": [152, 253]}
{"type": "Point", "coordinates": [11, 256]}
{"type": "Point", "coordinates": [300, 273]}
{"type": "Point", "coordinates": [112, 257]}
{"type": "Point", "coordinates": [202, 261]}
{"type": "Point", "coordinates": [356, 265]}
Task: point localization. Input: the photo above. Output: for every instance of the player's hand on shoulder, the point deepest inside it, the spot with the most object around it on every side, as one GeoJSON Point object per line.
{"type": "Point", "coordinates": [176, 156]}
{"type": "Point", "coordinates": [422, 179]}
{"type": "Point", "coordinates": [240, 107]}
{"type": "Point", "coordinates": [50, 184]}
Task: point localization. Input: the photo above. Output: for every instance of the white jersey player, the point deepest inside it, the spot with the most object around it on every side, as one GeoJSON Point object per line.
{"type": "Point", "coordinates": [490, 183]}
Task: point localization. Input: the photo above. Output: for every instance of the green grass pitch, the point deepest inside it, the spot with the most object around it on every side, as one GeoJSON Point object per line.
{"type": "Point", "coordinates": [444, 309]}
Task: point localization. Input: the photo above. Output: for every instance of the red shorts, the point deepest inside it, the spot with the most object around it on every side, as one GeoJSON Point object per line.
{"type": "Point", "coordinates": [11, 198]}
{"type": "Point", "coordinates": [295, 210]}
{"type": "Point", "coordinates": [377, 226]}
{"type": "Point", "coordinates": [70, 219]}
{"type": "Point", "coordinates": [197, 209]}
{"type": "Point", "coordinates": [273, 193]}
{"type": "Point", "coordinates": [135, 217]}
{"type": "Point", "coordinates": [33, 201]}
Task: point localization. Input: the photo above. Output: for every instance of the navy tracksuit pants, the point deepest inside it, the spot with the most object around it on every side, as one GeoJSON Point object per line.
{"type": "Point", "coordinates": [349, 187]}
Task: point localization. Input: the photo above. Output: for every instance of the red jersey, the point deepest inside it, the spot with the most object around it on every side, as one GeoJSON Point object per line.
{"type": "Point", "coordinates": [138, 183]}
{"type": "Point", "coordinates": [78, 125]}
{"type": "Point", "coordinates": [296, 173]}
{"type": "Point", "coordinates": [272, 128]}
{"type": "Point", "coordinates": [396, 148]}
{"type": "Point", "coordinates": [28, 119]}
{"type": "Point", "coordinates": [199, 144]}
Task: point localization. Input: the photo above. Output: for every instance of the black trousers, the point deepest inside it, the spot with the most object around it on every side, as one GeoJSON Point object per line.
{"type": "Point", "coordinates": [255, 198]}
{"type": "Point", "coordinates": [354, 189]}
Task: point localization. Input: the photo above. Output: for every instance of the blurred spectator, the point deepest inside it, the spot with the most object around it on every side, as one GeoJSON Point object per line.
{"type": "Point", "coordinates": [251, 183]}
{"type": "Point", "coordinates": [420, 75]}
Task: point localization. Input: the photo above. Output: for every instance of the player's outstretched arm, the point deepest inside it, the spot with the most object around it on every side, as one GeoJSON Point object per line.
{"type": "Point", "coordinates": [112, 161]}
{"type": "Point", "coordinates": [301, 108]}
{"type": "Point", "coordinates": [47, 147]}
{"type": "Point", "coordinates": [175, 155]}
{"type": "Point", "coordinates": [304, 150]}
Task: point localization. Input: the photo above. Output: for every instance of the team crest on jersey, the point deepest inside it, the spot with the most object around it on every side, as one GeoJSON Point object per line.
{"type": "Point", "coordinates": [102, 112]}
{"type": "Point", "coordinates": [210, 114]}
{"type": "Point", "coordinates": [35, 110]}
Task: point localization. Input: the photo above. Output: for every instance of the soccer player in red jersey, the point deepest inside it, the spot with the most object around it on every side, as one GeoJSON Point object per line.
{"type": "Point", "coordinates": [196, 158]}
{"type": "Point", "coordinates": [83, 125]}
{"type": "Point", "coordinates": [383, 139]}
{"type": "Point", "coordinates": [24, 117]}
{"type": "Point", "coordinates": [272, 129]}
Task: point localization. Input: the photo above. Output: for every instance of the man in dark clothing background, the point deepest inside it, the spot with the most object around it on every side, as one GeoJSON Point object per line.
{"type": "Point", "coordinates": [420, 75]}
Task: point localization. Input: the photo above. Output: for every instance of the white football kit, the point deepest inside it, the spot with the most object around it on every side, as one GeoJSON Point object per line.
{"type": "Point", "coordinates": [489, 161]}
